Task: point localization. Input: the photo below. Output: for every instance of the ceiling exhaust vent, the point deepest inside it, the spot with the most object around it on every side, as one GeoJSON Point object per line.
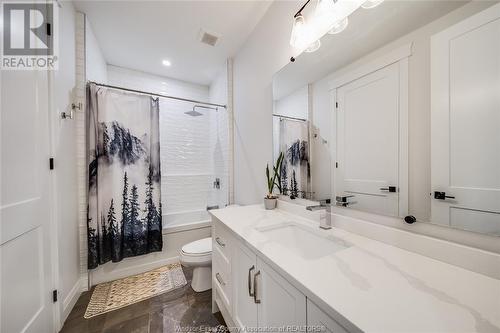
{"type": "Point", "coordinates": [208, 38]}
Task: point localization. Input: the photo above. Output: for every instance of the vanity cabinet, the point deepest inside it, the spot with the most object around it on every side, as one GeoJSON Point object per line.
{"type": "Point", "coordinates": [244, 305]}
{"type": "Point", "coordinates": [262, 298]}
{"type": "Point", "coordinates": [222, 254]}
{"type": "Point", "coordinates": [317, 318]}
{"type": "Point", "coordinates": [280, 303]}
{"type": "Point", "coordinates": [259, 297]}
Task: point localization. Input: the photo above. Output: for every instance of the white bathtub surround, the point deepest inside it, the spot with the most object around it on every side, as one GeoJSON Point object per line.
{"type": "Point", "coordinates": [366, 285]}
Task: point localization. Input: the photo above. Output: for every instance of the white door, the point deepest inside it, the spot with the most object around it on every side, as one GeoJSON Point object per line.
{"type": "Point", "coordinates": [279, 303]}
{"type": "Point", "coordinates": [368, 142]}
{"type": "Point", "coordinates": [244, 305]}
{"type": "Point", "coordinates": [466, 124]}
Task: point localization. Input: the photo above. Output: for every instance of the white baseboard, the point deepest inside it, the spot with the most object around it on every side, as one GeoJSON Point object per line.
{"type": "Point", "coordinates": [119, 273]}
{"type": "Point", "coordinates": [70, 300]}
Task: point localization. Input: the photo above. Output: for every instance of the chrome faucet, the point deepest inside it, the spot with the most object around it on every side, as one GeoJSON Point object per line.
{"type": "Point", "coordinates": [325, 219]}
{"type": "Point", "coordinates": [323, 204]}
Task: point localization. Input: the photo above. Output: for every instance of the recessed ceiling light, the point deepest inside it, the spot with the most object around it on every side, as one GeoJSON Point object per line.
{"type": "Point", "coordinates": [166, 63]}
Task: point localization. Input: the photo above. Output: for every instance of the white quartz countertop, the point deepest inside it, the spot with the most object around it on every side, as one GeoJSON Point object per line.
{"type": "Point", "coordinates": [372, 286]}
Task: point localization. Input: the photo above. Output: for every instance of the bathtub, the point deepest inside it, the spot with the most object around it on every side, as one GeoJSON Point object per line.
{"type": "Point", "coordinates": [186, 220]}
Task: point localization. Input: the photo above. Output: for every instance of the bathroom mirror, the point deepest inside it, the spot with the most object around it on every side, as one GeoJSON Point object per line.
{"type": "Point", "coordinates": [396, 124]}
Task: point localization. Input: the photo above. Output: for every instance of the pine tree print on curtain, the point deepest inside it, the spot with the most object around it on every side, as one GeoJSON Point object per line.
{"type": "Point", "coordinates": [124, 199]}
{"type": "Point", "coordinates": [295, 169]}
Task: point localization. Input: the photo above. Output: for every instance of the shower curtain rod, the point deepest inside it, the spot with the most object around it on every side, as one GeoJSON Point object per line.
{"type": "Point", "coordinates": [289, 118]}
{"type": "Point", "coordinates": [155, 94]}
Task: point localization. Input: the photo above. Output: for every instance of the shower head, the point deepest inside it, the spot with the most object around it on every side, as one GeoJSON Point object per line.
{"type": "Point", "coordinates": [193, 113]}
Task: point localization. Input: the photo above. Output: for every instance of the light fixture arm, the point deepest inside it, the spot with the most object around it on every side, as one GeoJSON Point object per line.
{"type": "Point", "coordinates": [301, 9]}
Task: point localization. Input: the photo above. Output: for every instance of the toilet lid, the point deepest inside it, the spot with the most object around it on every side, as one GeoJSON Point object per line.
{"type": "Point", "coordinates": [200, 246]}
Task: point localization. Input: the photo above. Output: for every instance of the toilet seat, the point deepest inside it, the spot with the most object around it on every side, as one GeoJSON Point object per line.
{"type": "Point", "coordinates": [197, 253]}
{"type": "Point", "coordinates": [198, 248]}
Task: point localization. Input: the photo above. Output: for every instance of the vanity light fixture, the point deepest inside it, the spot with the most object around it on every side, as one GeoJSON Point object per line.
{"type": "Point", "coordinates": [339, 26]}
{"type": "Point", "coordinates": [298, 31]}
{"type": "Point", "coordinates": [166, 63]}
{"type": "Point", "coordinates": [329, 16]}
{"type": "Point", "coordinates": [313, 47]}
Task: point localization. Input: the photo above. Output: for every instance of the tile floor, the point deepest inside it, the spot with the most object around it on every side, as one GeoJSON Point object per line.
{"type": "Point", "coordinates": [180, 310]}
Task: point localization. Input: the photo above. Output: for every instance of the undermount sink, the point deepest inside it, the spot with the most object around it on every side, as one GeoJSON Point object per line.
{"type": "Point", "coordinates": [302, 240]}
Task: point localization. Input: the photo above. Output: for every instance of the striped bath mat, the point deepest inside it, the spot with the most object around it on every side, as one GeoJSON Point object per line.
{"type": "Point", "coordinates": [117, 294]}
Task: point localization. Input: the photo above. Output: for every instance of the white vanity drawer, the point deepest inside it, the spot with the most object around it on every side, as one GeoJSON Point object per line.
{"type": "Point", "coordinates": [222, 241]}
{"type": "Point", "coordinates": [221, 273]}
{"type": "Point", "coordinates": [316, 317]}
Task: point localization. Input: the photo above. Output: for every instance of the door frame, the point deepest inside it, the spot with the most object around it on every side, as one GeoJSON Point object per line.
{"type": "Point", "coordinates": [399, 56]}
{"type": "Point", "coordinates": [53, 118]}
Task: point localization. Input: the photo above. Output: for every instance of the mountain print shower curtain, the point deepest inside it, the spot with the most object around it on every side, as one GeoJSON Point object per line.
{"type": "Point", "coordinates": [124, 208]}
{"type": "Point", "coordinates": [295, 168]}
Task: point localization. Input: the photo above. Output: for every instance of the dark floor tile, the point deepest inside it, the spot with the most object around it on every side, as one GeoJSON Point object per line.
{"type": "Point", "coordinates": [132, 311]}
{"type": "Point", "coordinates": [135, 325]}
{"type": "Point", "coordinates": [81, 325]}
{"type": "Point", "coordinates": [194, 314]}
{"type": "Point", "coordinates": [180, 294]}
{"type": "Point", "coordinates": [164, 313]}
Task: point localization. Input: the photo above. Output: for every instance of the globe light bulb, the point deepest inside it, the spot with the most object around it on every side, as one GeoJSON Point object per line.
{"type": "Point", "coordinates": [313, 47]}
{"type": "Point", "coordinates": [339, 26]}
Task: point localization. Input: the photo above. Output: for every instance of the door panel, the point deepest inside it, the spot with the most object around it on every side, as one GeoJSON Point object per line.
{"type": "Point", "coordinates": [368, 116]}
{"type": "Point", "coordinates": [26, 279]}
{"type": "Point", "coordinates": [281, 304]}
{"type": "Point", "coordinates": [466, 123]}
{"type": "Point", "coordinates": [244, 307]}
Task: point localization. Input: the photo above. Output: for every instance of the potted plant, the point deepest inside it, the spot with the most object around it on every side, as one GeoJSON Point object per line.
{"type": "Point", "coordinates": [270, 199]}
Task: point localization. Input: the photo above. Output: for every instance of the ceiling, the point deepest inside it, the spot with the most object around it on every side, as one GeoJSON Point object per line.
{"type": "Point", "coordinates": [368, 30]}
{"type": "Point", "coordinates": [140, 34]}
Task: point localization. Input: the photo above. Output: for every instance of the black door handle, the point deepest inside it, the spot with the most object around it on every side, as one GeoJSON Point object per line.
{"type": "Point", "coordinates": [391, 189]}
{"type": "Point", "coordinates": [442, 196]}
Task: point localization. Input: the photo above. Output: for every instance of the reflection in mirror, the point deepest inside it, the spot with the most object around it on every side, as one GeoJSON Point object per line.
{"type": "Point", "coordinates": [291, 137]}
{"type": "Point", "coordinates": [369, 102]}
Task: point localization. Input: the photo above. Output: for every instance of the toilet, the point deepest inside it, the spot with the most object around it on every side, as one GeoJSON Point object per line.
{"type": "Point", "coordinates": [198, 254]}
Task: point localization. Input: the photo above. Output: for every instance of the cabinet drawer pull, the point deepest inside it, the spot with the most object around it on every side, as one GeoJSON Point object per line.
{"type": "Point", "coordinates": [250, 282]}
{"type": "Point", "coordinates": [221, 244]}
{"type": "Point", "coordinates": [257, 301]}
{"type": "Point", "coordinates": [219, 279]}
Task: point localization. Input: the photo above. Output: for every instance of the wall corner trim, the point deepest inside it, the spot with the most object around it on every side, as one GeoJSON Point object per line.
{"type": "Point", "coordinates": [389, 58]}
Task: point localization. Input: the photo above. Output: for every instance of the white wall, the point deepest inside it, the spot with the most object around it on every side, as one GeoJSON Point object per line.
{"type": "Point", "coordinates": [266, 50]}
{"type": "Point", "coordinates": [96, 67]}
{"type": "Point", "coordinates": [64, 141]}
{"type": "Point", "coordinates": [129, 78]}
{"type": "Point", "coordinates": [295, 104]}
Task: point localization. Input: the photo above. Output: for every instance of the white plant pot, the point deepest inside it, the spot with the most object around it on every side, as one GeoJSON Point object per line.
{"type": "Point", "coordinates": [270, 203]}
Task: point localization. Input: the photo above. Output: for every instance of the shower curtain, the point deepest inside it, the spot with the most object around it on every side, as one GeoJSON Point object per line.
{"type": "Point", "coordinates": [124, 208]}
{"type": "Point", "coordinates": [295, 170]}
